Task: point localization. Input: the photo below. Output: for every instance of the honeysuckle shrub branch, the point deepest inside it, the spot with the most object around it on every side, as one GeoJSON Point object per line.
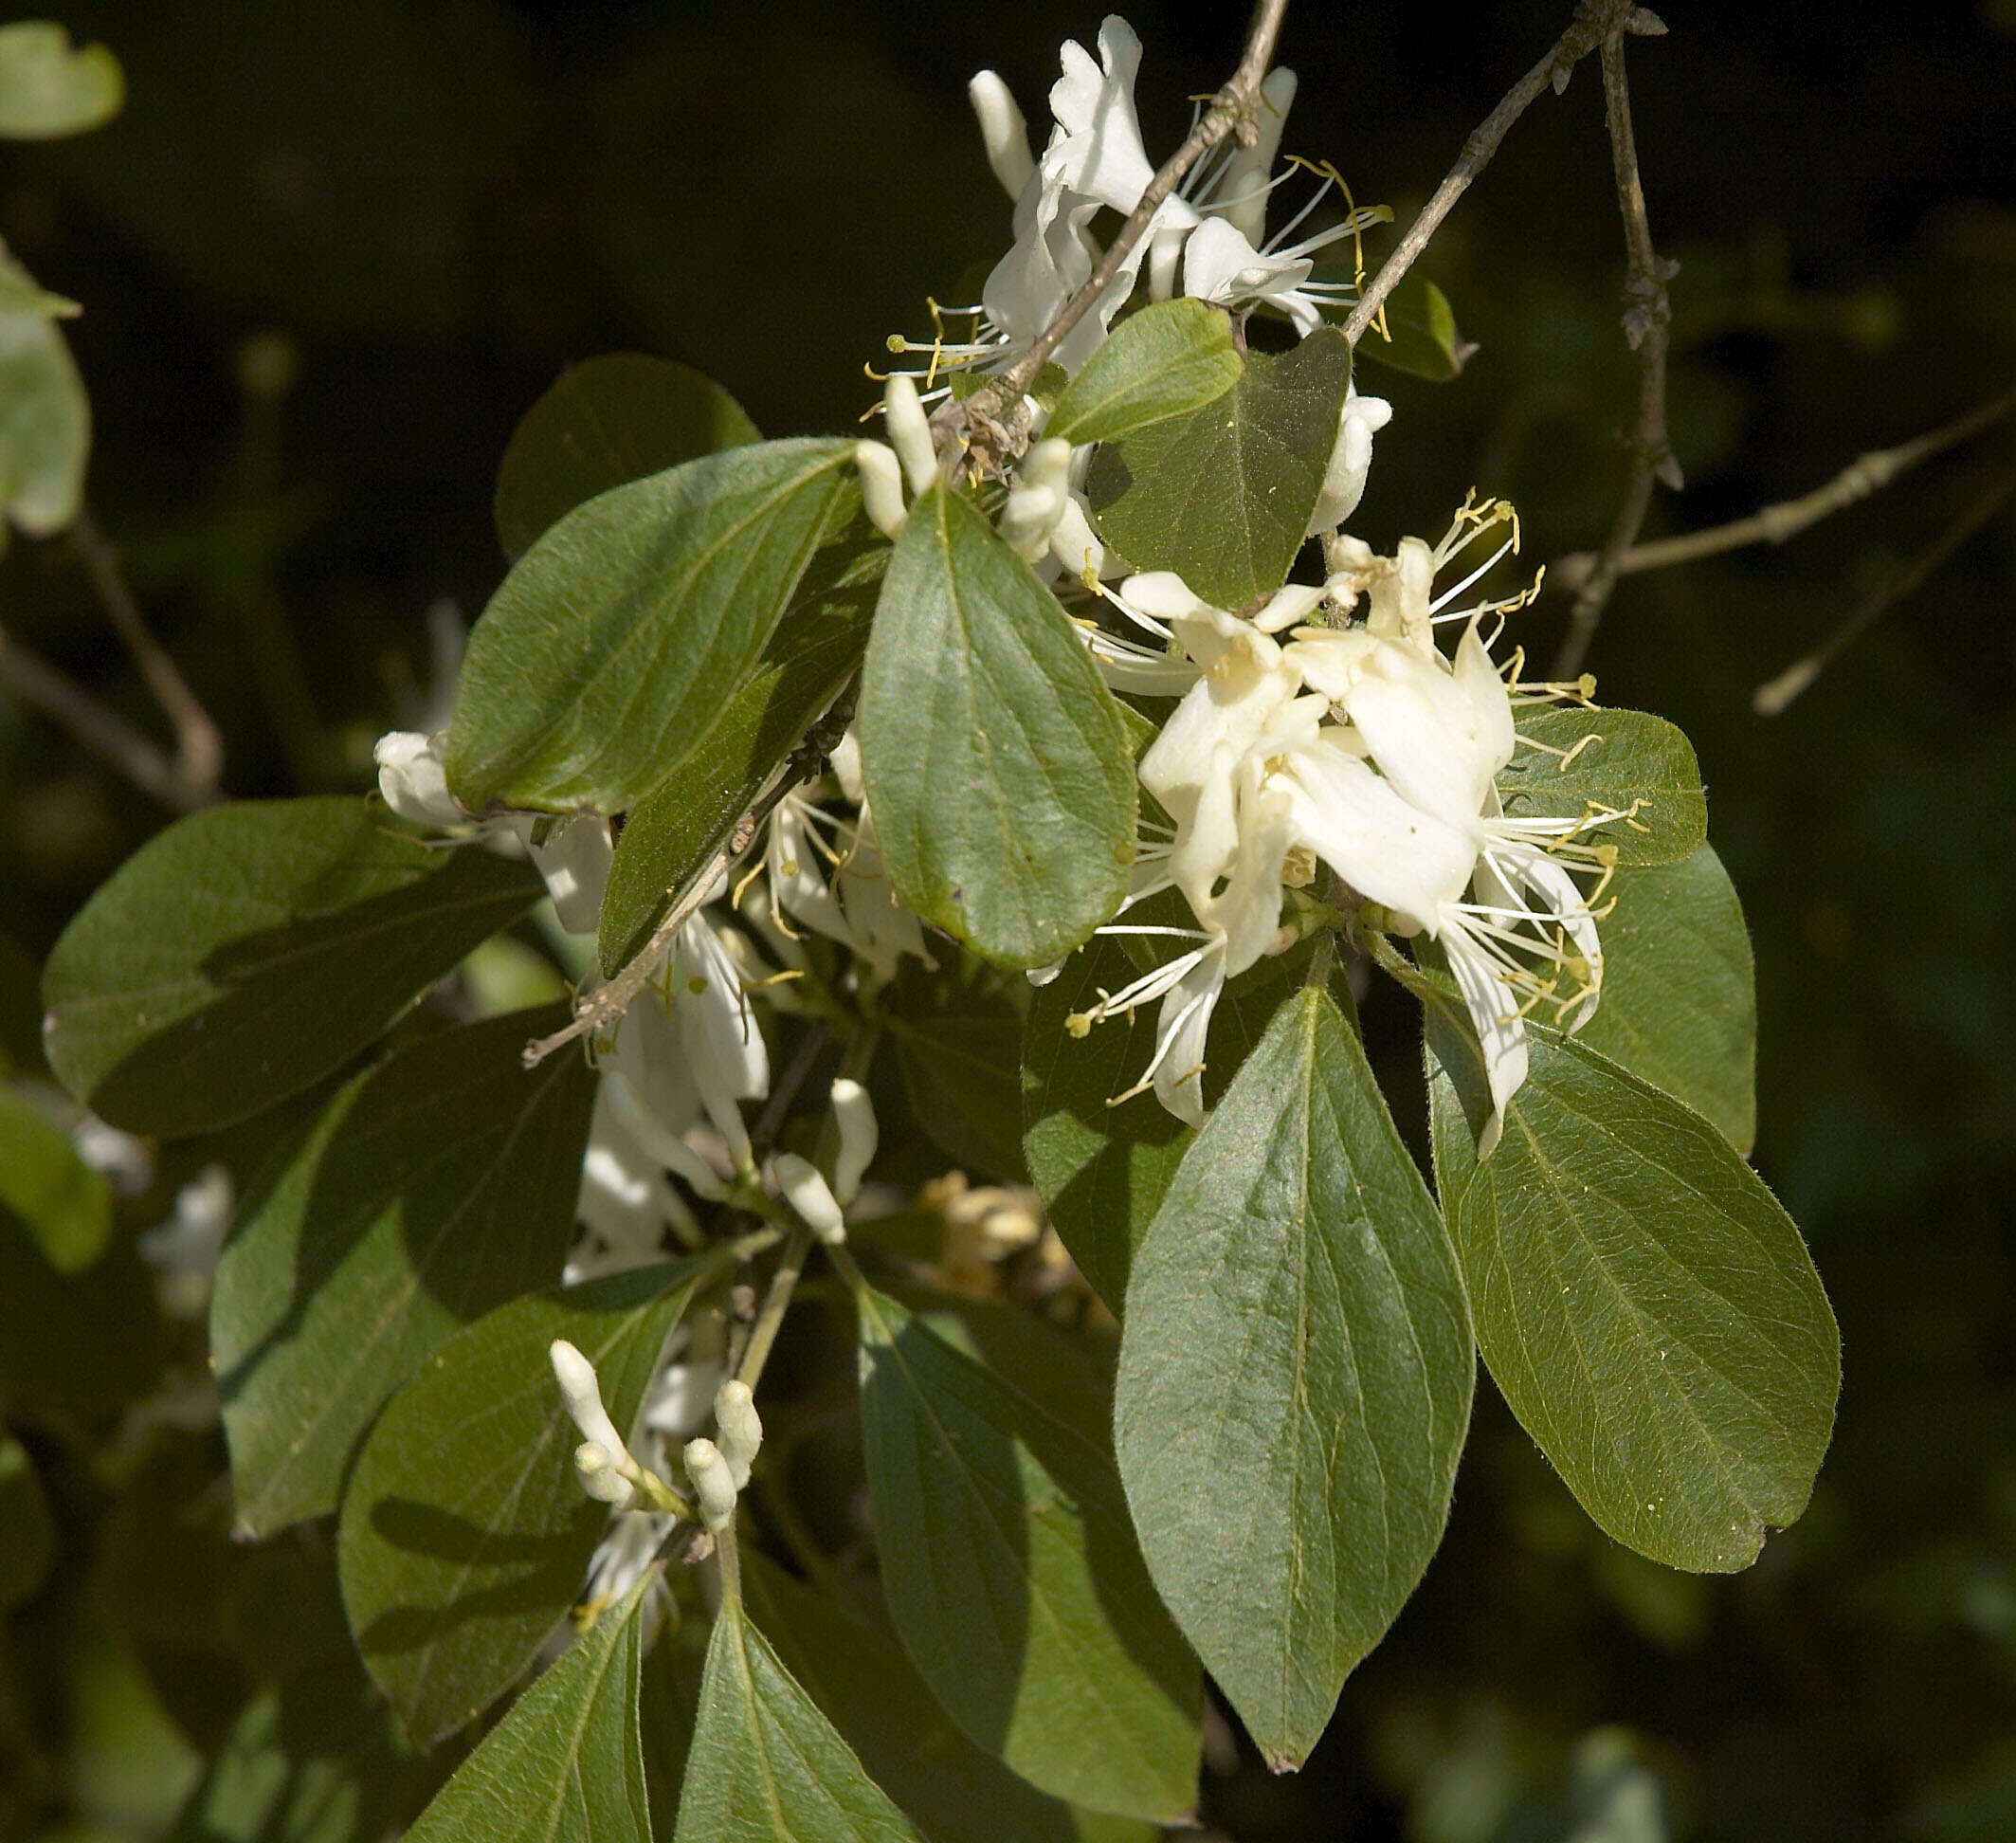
{"type": "Point", "coordinates": [1019, 792]}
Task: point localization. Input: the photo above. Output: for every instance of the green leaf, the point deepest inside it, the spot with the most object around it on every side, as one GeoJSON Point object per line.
{"type": "Point", "coordinates": [28, 1538]}
{"type": "Point", "coordinates": [464, 1534]}
{"type": "Point", "coordinates": [1637, 763]}
{"type": "Point", "coordinates": [1167, 360]}
{"type": "Point", "coordinates": [1102, 1170]}
{"type": "Point", "coordinates": [678, 825]}
{"type": "Point", "coordinates": [44, 415]}
{"type": "Point", "coordinates": [567, 1765]}
{"type": "Point", "coordinates": [436, 1186]}
{"type": "Point", "coordinates": [864, 1684]}
{"type": "Point", "coordinates": [1424, 343]}
{"type": "Point", "coordinates": [245, 952]}
{"type": "Point", "coordinates": [1679, 1002]}
{"type": "Point", "coordinates": [765, 1764]}
{"type": "Point", "coordinates": [606, 422]}
{"type": "Point", "coordinates": [608, 647]}
{"type": "Point", "coordinates": [48, 90]}
{"type": "Point", "coordinates": [58, 1197]}
{"type": "Point", "coordinates": [71, 1344]}
{"type": "Point", "coordinates": [314, 1761]}
{"type": "Point", "coordinates": [1294, 1380]}
{"type": "Point", "coordinates": [995, 758]}
{"type": "Point", "coordinates": [1644, 1306]}
{"type": "Point", "coordinates": [958, 1044]}
{"type": "Point", "coordinates": [1222, 495]}
{"type": "Point", "coordinates": [1014, 1580]}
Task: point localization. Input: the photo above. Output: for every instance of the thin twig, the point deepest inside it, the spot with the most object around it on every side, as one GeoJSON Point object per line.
{"type": "Point", "coordinates": [1231, 113]}
{"type": "Point", "coordinates": [1593, 22]}
{"type": "Point", "coordinates": [1648, 322]}
{"type": "Point", "coordinates": [199, 743]}
{"type": "Point", "coordinates": [1771, 698]}
{"type": "Point", "coordinates": [26, 675]}
{"type": "Point", "coordinates": [1869, 473]}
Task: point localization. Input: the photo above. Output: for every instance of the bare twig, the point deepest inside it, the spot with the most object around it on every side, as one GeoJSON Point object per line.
{"type": "Point", "coordinates": [199, 744]}
{"type": "Point", "coordinates": [1869, 473]}
{"type": "Point", "coordinates": [1231, 113]}
{"type": "Point", "coordinates": [1647, 321]}
{"type": "Point", "coordinates": [26, 675]}
{"type": "Point", "coordinates": [1772, 697]}
{"type": "Point", "coordinates": [1594, 21]}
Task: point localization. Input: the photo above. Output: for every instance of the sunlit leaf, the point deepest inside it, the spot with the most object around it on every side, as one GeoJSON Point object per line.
{"type": "Point", "coordinates": [1169, 359]}
{"type": "Point", "coordinates": [1579, 761]}
{"type": "Point", "coordinates": [48, 89]}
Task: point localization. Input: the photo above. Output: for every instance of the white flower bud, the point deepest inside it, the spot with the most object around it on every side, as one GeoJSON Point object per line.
{"type": "Point", "coordinates": [713, 1488]}
{"type": "Point", "coordinates": [740, 1428]}
{"type": "Point", "coordinates": [582, 1392]}
{"type": "Point", "coordinates": [412, 780]}
{"type": "Point", "coordinates": [882, 487]}
{"type": "Point", "coordinates": [854, 1114]}
{"type": "Point", "coordinates": [1002, 129]}
{"type": "Point", "coordinates": [910, 433]}
{"type": "Point", "coordinates": [1037, 501]}
{"type": "Point", "coordinates": [1243, 195]}
{"type": "Point", "coordinates": [596, 1470]}
{"type": "Point", "coordinates": [805, 1190]}
{"type": "Point", "coordinates": [574, 860]}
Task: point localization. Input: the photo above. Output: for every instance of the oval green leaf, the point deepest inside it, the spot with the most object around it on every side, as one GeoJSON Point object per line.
{"type": "Point", "coordinates": [1644, 1304]}
{"type": "Point", "coordinates": [1680, 999]}
{"type": "Point", "coordinates": [1575, 761]}
{"type": "Point", "coordinates": [435, 1187]}
{"type": "Point", "coordinates": [1294, 1380]}
{"type": "Point", "coordinates": [567, 1765]}
{"type": "Point", "coordinates": [610, 644]}
{"type": "Point", "coordinates": [60, 1201]}
{"type": "Point", "coordinates": [1167, 360]}
{"type": "Point", "coordinates": [245, 952]}
{"type": "Point", "coordinates": [1222, 495]}
{"type": "Point", "coordinates": [607, 421]}
{"type": "Point", "coordinates": [996, 760]}
{"type": "Point", "coordinates": [464, 1534]}
{"type": "Point", "coordinates": [1415, 332]}
{"type": "Point", "coordinates": [48, 90]}
{"type": "Point", "coordinates": [44, 415]}
{"type": "Point", "coordinates": [1014, 1580]}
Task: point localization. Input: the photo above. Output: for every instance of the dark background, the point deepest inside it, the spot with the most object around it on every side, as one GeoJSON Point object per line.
{"type": "Point", "coordinates": [333, 249]}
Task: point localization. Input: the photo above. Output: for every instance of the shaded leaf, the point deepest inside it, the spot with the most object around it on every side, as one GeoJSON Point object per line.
{"type": "Point", "coordinates": [78, 1342]}
{"type": "Point", "coordinates": [1294, 1380]}
{"type": "Point", "coordinates": [608, 420]}
{"type": "Point", "coordinates": [1222, 495]}
{"type": "Point", "coordinates": [677, 826]}
{"type": "Point", "coordinates": [609, 646]}
{"type": "Point", "coordinates": [1170, 358]}
{"type": "Point", "coordinates": [995, 758]}
{"type": "Point", "coordinates": [28, 1538]}
{"type": "Point", "coordinates": [1637, 763]}
{"type": "Point", "coordinates": [958, 1042]}
{"type": "Point", "coordinates": [1014, 1580]}
{"type": "Point", "coordinates": [765, 1764]}
{"type": "Point", "coordinates": [1644, 1306]}
{"type": "Point", "coordinates": [1424, 341]}
{"type": "Point", "coordinates": [567, 1765]}
{"type": "Point", "coordinates": [436, 1186]}
{"type": "Point", "coordinates": [245, 952]}
{"type": "Point", "coordinates": [47, 89]}
{"type": "Point", "coordinates": [55, 1196]}
{"type": "Point", "coordinates": [464, 1535]}
{"type": "Point", "coordinates": [1680, 1001]}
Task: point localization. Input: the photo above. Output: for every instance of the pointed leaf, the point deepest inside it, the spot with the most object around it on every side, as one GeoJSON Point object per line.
{"type": "Point", "coordinates": [1222, 495]}
{"type": "Point", "coordinates": [245, 952]}
{"type": "Point", "coordinates": [47, 89]}
{"type": "Point", "coordinates": [1636, 763]}
{"type": "Point", "coordinates": [1679, 1002]}
{"type": "Point", "coordinates": [679, 824]}
{"type": "Point", "coordinates": [436, 1186]}
{"type": "Point", "coordinates": [1167, 360]}
{"type": "Point", "coordinates": [464, 1534]}
{"type": "Point", "coordinates": [1014, 1580]}
{"type": "Point", "coordinates": [1294, 1380]}
{"type": "Point", "coordinates": [567, 1765]}
{"type": "Point", "coordinates": [995, 758]}
{"type": "Point", "coordinates": [1644, 1306]}
{"type": "Point", "coordinates": [608, 648]}
{"type": "Point", "coordinates": [607, 421]}
{"type": "Point", "coordinates": [58, 1197]}
{"type": "Point", "coordinates": [765, 1764]}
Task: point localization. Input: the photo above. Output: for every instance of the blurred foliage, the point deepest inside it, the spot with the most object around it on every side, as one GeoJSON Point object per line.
{"type": "Point", "coordinates": [330, 252]}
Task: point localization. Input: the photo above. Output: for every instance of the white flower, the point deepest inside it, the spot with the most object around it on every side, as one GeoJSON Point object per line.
{"type": "Point", "coordinates": [1351, 460]}
{"type": "Point", "coordinates": [183, 1251]}
{"type": "Point", "coordinates": [412, 780]}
